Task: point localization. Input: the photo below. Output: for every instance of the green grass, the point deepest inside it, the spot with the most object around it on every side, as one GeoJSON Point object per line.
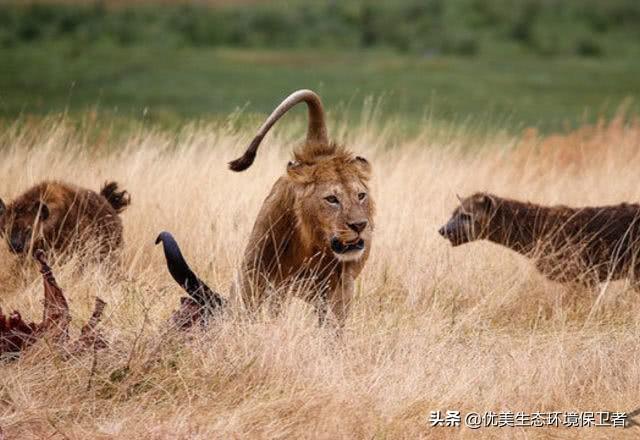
{"type": "Point", "coordinates": [489, 63]}
{"type": "Point", "coordinates": [169, 85]}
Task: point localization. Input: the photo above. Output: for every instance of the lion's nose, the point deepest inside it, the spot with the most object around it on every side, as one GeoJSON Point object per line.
{"type": "Point", "coordinates": [442, 231]}
{"type": "Point", "coordinates": [358, 226]}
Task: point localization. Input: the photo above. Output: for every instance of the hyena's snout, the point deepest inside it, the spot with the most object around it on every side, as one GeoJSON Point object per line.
{"type": "Point", "coordinates": [455, 231]}
{"type": "Point", "coordinates": [16, 243]}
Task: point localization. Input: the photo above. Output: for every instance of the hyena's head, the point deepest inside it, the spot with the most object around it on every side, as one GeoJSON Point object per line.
{"type": "Point", "coordinates": [19, 220]}
{"type": "Point", "coordinates": [471, 220]}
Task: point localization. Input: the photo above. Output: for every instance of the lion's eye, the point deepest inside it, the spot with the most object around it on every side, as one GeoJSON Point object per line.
{"type": "Point", "coordinates": [361, 196]}
{"type": "Point", "coordinates": [333, 200]}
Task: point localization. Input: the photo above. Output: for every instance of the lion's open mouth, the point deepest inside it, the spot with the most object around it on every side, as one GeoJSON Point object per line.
{"type": "Point", "coordinates": [339, 247]}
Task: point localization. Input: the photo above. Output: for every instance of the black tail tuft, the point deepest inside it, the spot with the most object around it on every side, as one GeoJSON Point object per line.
{"type": "Point", "coordinates": [246, 160]}
{"type": "Point", "coordinates": [184, 276]}
{"type": "Point", "coordinates": [242, 163]}
{"type": "Point", "coordinates": [119, 200]}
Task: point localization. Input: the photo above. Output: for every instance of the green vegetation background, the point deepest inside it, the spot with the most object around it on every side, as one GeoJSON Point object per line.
{"type": "Point", "coordinates": [544, 63]}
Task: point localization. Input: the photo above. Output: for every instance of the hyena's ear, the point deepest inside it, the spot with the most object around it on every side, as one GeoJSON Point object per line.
{"type": "Point", "coordinates": [3, 209]}
{"type": "Point", "coordinates": [43, 210]}
{"type": "Point", "coordinates": [487, 201]}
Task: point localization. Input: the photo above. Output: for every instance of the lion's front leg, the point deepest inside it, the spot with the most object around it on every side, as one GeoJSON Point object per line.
{"type": "Point", "coordinates": [339, 299]}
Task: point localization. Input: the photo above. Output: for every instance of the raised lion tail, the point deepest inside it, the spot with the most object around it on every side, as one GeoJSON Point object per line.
{"type": "Point", "coordinates": [119, 200]}
{"type": "Point", "coordinates": [184, 276]}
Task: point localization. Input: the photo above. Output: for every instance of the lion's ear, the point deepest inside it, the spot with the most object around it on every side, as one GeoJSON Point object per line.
{"type": "Point", "coordinates": [363, 166]}
{"type": "Point", "coordinates": [299, 172]}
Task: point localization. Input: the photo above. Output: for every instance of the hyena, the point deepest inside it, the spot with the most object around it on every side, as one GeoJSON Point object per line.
{"type": "Point", "coordinates": [584, 245]}
{"type": "Point", "coordinates": [57, 216]}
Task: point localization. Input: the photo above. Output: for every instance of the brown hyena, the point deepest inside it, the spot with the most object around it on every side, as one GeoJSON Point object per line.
{"type": "Point", "coordinates": [59, 217]}
{"type": "Point", "coordinates": [570, 245]}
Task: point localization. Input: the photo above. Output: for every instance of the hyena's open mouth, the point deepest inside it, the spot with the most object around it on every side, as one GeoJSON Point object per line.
{"type": "Point", "coordinates": [456, 238]}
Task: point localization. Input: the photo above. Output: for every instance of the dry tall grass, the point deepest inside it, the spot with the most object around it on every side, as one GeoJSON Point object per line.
{"type": "Point", "coordinates": [473, 328]}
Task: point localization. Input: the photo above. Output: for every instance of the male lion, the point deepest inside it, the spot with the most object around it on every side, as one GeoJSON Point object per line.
{"type": "Point", "coordinates": [59, 216]}
{"type": "Point", "coordinates": [571, 245]}
{"type": "Point", "coordinates": [315, 226]}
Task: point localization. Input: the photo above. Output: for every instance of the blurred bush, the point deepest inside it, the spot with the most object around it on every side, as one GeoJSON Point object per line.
{"type": "Point", "coordinates": [461, 27]}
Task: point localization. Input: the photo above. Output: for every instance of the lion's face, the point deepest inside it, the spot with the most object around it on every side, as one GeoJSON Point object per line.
{"type": "Point", "coordinates": [333, 204]}
{"type": "Point", "coordinates": [17, 223]}
{"type": "Point", "coordinates": [470, 220]}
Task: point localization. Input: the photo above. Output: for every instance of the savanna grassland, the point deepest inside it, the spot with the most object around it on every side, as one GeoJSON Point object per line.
{"type": "Point", "coordinates": [432, 327]}
{"type": "Point", "coordinates": [159, 98]}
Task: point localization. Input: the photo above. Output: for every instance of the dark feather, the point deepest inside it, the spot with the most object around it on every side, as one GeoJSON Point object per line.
{"type": "Point", "coordinates": [184, 276]}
